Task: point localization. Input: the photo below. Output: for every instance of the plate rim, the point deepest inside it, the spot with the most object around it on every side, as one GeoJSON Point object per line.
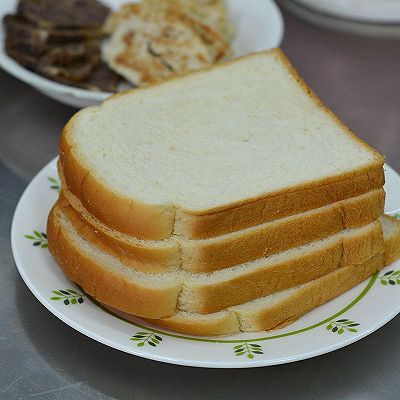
{"type": "Point", "coordinates": [369, 283]}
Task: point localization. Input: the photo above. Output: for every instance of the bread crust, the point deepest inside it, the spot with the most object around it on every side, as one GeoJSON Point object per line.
{"type": "Point", "coordinates": [202, 226]}
{"type": "Point", "coordinates": [156, 222]}
{"type": "Point", "coordinates": [142, 257]}
{"type": "Point", "coordinates": [104, 285]}
{"type": "Point", "coordinates": [210, 255]}
{"type": "Point", "coordinates": [284, 313]}
{"type": "Point", "coordinates": [140, 299]}
{"type": "Point", "coordinates": [224, 323]}
{"type": "Point", "coordinates": [115, 291]}
{"type": "Point", "coordinates": [205, 298]}
{"type": "Point", "coordinates": [308, 297]}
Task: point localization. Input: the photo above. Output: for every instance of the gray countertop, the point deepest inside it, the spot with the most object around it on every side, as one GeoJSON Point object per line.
{"type": "Point", "coordinates": [42, 358]}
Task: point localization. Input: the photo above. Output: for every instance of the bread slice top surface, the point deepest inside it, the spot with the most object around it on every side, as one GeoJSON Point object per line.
{"type": "Point", "coordinates": [218, 137]}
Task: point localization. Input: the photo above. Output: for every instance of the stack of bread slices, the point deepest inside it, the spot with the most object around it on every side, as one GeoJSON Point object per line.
{"type": "Point", "coordinates": [227, 200]}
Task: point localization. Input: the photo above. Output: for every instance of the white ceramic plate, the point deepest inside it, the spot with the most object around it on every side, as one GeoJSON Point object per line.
{"type": "Point", "coordinates": [365, 17]}
{"type": "Point", "coordinates": [258, 25]}
{"type": "Point", "coordinates": [336, 324]}
{"type": "Point", "coordinates": [382, 11]}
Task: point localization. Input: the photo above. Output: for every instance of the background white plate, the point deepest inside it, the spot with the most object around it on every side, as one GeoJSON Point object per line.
{"type": "Point", "coordinates": [382, 11]}
{"type": "Point", "coordinates": [365, 17]}
{"type": "Point", "coordinates": [365, 308]}
{"type": "Point", "coordinates": [258, 25]}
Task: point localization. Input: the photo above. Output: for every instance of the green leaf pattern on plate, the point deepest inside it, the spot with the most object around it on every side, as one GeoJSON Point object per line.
{"type": "Point", "coordinates": [39, 239]}
{"type": "Point", "coordinates": [69, 296]}
{"type": "Point", "coordinates": [341, 325]}
{"type": "Point", "coordinates": [55, 183]}
{"type": "Point", "coordinates": [146, 339]}
{"type": "Point", "coordinates": [248, 349]}
{"type": "Point", "coordinates": [390, 278]}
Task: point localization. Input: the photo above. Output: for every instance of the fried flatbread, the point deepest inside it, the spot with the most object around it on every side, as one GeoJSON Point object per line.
{"type": "Point", "coordinates": [150, 46]}
{"type": "Point", "coordinates": [155, 40]}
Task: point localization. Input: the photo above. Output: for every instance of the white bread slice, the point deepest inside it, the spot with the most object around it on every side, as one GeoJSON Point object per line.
{"type": "Point", "coordinates": [274, 311]}
{"type": "Point", "coordinates": [206, 255]}
{"type": "Point", "coordinates": [108, 280]}
{"type": "Point", "coordinates": [212, 292]}
{"type": "Point", "coordinates": [283, 308]}
{"type": "Point", "coordinates": [214, 152]}
{"type": "Point", "coordinates": [105, 278]}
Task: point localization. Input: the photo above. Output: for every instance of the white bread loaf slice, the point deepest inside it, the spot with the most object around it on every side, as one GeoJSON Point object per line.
{"type": "Point", "coordinates": [282, 308]}
{"type": "Point", "coordinates": [105, 278]}
{"type": "Point", "coordinates": [206, 255]}
{"type": "Point", "coordinates": [274, 311]}
{"type": "Point", "coordinates": [212, 292]}
{"type": "Point", "coordinates": [157, 295]}
{"type": "Point", "coordinates": [214, 152]}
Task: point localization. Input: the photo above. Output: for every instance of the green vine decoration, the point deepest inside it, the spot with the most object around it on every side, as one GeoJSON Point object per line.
{"type": "Point", "coordinates": [397, 215]}
{"type": "Point", "coordinates": [248, 349]}
{"type": "Point", "coordinates": [390, 277]}
{"type": "Point", "coordinates": [146, 338]}
{"type": "Point", "coordinates": [69, 296]}
{"type": "Point", "coordinates": [341, 325]}
{"type": "Point", "coordinates": [39, 239]}
{"type": "Point", "coordinates": [55, 183]}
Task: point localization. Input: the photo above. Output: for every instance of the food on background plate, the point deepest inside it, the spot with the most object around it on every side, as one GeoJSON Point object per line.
{"type": "Point", "coordinates": [150, 41]}
{"type": "Point", "coordinates": [38, 40]}
{"type": "Point", "coordinates": [212, 13]}
{"type": "Point", "coordinates": [62, 42]}
{"type": "Point", "coordinates": [222, 201]}
{"type": "Point", "coordinates": [155, 40]}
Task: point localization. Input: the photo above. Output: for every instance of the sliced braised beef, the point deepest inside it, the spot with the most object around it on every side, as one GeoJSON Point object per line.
{"type": "Point", "coordinates": [51, 14]}
{"type": "Point", "coordinates": [102, 79]}
{"type": "Point", "coordinates": [61, 40]}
